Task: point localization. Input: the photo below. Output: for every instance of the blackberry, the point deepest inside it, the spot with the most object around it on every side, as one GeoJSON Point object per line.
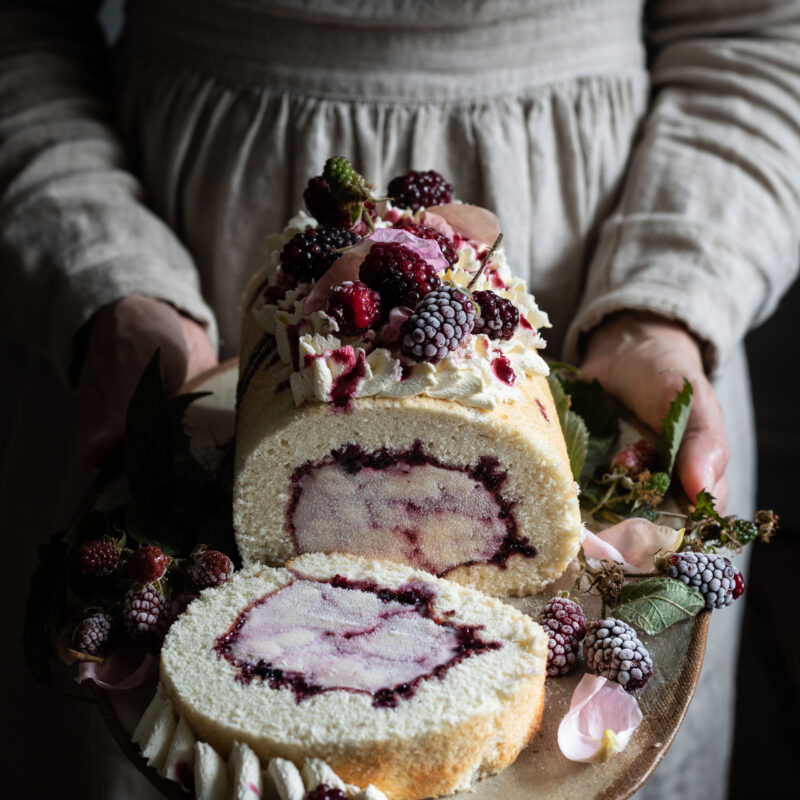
{"type": "Point", "coordinates": [398, 275]}
{"type": "Point", "coordinates": [148, 564]}
{"type": "Point", "coordinates": [745, 530]}
{"type": "Point", "coordinates": [498, 317]}
{"type": "Point", "coordinates": [92, 633]}
{"type": "Point", "coordinates": [445, 243]}
{"type": "Point", "coordinates": [441, 320]}
{"type": "Point", "coordinates": [712, 575]}
{"type": "Point", "coordinates": [612, 649]}
{"type": "Point", "coordinates": [417, 189]}
{"type": "Point", "coordinates": [563, 615]}
{"type": "Point", "coordinates": [144, 612]}
{"type": "Point", "coordinates": [562, 653]}
{"type": "Point", "coordinates": [98, 557]}
{"type": "Point", "coordinates": [635, 458]}
{"type": "Point", "coordinates": [307, 256]}
{"type": "Point", "coordinates": [209, 568]}
{"type": "Point", "coordinates": [354, 306]}
{"type": "Point", "coordinates": [323, 206]}
{"type": "Point", "coordinates": [345, 184]}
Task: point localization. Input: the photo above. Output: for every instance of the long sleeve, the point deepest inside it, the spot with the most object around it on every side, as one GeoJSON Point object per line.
{"type": "Point", "coordinates": [707, 228]}
{"type": "Point", "coordinates": [75, 233]}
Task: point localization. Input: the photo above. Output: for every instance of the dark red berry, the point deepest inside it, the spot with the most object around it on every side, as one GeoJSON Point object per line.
{"type": "Point", "coordinates": [446, 245]}
{"type": "Point", "coordinates": [325, 792]}
{"type": "Point", "coordinates": [92, 633]}
{"type": "Point", "coordinates": [323, 205]}
{"type": "Point", "coordinates": [398, 275]}
{"type": "Point", "coordinates": [354, 306]}
{"type": "Point", "coordinates": [440, 322]}
{"type": "Point", "coordinates": [612, 649]}
{"type": "Point", "coordinates": [738, 585]}
{"type": "Point", "coordinates": [147, 564]}
{"type": "Point", "coordinates": [145, 612]}
{"type": "Point", "coordinates": [498, 317]}
{"type": "Point", "coordinates": [635, 458]}
{"type": "Point", "coordinates": [307, 256]}
{"type": "Point", "coordinates": [417, 189]}
{"type": "Point", "coordinates": [564, 616]}
{"type": "Point", "coordinates": [98, 557]}
{"type": "Point", "coordinates": [209, 568]}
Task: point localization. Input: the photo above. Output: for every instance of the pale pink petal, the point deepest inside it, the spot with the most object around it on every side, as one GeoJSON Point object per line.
{"type": "Point", "coordinates": [472, 222]}
{"type": "Point", "coordinates": [391, 331]}
{"type": "Point", "coordinates": [126, 668]}
{"type": "Point", "coordinates": [600, 722]}
{"type": "Point", "coordinates": [438, 223]}
{"type": "Point", "coordinates": [633, 542]}
{"type": "Point", "coordinates": [347, 266]}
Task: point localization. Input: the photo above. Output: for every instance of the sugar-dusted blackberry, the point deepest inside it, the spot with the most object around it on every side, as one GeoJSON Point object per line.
{"type": "Point", "coordinates": [145, 612]}
{"type": "Point", "coordinates": [147, 564]}
{"type": "Point", "coordinates": [398, 275]}
{"type": "Point", "coordinates": [346, 185]}
{"type": "Point", "coordinates": [440, 322]}
{"type": "Point", "coordinates": [98, 557]}
{"type": "Point", "coordinates": [208, 568]}
{"type": "Point", "coordinates": [498, 317]}
{"type": "Point", "coordinates": [562, 653]}
{"type": "Point", "coordinates": [307, 256]}
{"type": "Point", "coordinates": [92, 633]}
{"type": "Point", "coordinates": [564, 616]}
{"type": "Point", "coordinates": [635, 458]}
{"type": "Point", "coordinates": [445, 243]}
{"type": "Point", "coordinates": [323, 205]}
{"type": "Point", "coordinates": [354, 306]}
{"type": "Point", "coordinates": [612, 649]}
{"type": "Point", "coordinates": [713, 576]}
{"type": "Point", "coordinates": [420, 189]}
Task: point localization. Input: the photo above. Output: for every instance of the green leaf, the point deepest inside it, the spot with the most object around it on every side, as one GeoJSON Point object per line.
{"type": "Point", "coordinates": [559, 398]}
{"type": "Point", "coordinates": [653, 604]}
{"type": "Point", "coordinates": [673, 426]}
{"type": "Point", "coordinates": [589, 399]}
{"type": "Point", "coordinates": [576, 436]}
{"type": "Point", "coordinates": [704, 508]}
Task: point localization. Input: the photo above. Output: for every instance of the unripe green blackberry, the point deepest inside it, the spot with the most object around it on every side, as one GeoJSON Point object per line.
{"type": "Point", "coordinates": [346, 185]}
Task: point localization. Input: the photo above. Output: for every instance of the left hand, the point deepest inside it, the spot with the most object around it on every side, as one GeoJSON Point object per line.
{"type": "Point", "coordinates": [642, 359]}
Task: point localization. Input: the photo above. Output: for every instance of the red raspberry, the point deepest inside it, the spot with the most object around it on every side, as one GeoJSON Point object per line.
{"type": "Point", "coordinates": [417, 189]}
{"type": "Point", "coordinates": [209, 568]}
{"type": "Point", "coordinates": [323, 205]}
{"type": "Point", "coordinates": [498, 317]}
{"type": "Point", "coordinates": [354, 306]}
{"type": "Point", "coordinates": [145, 612]}
{"type": "Point", "coordinates": [92, 633]}
{"type": "Point", "coordinates": [147, 564]}
{"type": "Point", "coordinates": [635, 458]}
{"type": "Point", "coordinates": [98, 557]}
{"type": "Point", "coordinates": [426, 232]}
{"type": "Point", "coordinates": [398, 274]}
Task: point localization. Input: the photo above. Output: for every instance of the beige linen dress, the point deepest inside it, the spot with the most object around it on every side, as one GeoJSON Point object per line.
{"type": "Point", "coordinates": [638, 156]}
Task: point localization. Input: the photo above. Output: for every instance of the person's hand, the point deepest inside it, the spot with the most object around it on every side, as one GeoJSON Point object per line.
{"type": "Point", "coordinates": [642, 359]}
{"type": "Point", "coordinates": [122, 338]}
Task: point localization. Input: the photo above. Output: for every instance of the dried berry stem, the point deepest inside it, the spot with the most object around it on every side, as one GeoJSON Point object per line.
{"type": "Point", "coordinates": [485, 261]}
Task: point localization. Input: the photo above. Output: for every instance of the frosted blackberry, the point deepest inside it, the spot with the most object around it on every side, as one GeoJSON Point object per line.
{"type": "Point", "coordinates": [144, 612]}
{"type": "Point", "coordinates": [563, 615]}
{"type": "Point", "coordinates": [713, 576]}
{"type": "Point", "coordinates": [209, 568]}
{"type": "Point", "coordinates": [417, 189]}
{"type": "Point", "coordinates": [346, 185]}
{"type": "Point", "coordinates": [92, 633]}
{"type": "Point", "coordinates": [98, 557]}
{"type": "Point", "coordinates": [562, 653]}
{"type": "Point", "coordinates": [498, 317]}
{"type": "Point", "coordinates": [323, 205]}
{"type": "Point", "coordinates": [612, 649]}
{"type": "Point", "coordinates": [354, 306]}
{"type": "Point", "coordinates": [307, 256]}
{"type": "Point", "coordinates": [398, 275]}
{"type": "Point", "coordinates": [441, 321]}
{"type": "Point", "coordinates": [445, 243]}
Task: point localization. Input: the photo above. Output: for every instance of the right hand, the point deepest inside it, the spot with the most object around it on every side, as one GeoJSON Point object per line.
{"type": "Point", "coordinates": [122, 339]}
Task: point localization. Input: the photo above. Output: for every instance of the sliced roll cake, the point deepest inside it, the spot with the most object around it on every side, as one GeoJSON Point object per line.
{"type": "Point", "coordinates": [424, 433]}
{"type": "Point", "coordinates": [392, 676]}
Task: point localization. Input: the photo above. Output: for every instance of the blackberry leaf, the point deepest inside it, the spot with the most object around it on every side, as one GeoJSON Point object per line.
{"type": "Point", "coordinates": [653, 604]}
{"type": "Point", "coordinates": [673, 426]}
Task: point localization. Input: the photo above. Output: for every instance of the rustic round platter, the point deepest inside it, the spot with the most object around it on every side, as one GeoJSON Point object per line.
{"type": "Point", "coordinates": [541, 772]}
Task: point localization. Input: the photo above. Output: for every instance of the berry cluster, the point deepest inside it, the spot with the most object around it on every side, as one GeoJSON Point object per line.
{"type": "Point", "coordinates": [498, 317]}
{"type": "Point", "coordinates": [307, 256]}
{"type": "Point", "coordinates": [612, 649]}
{"type": "Point", "coordinates": [417, 189]}
{"type": "Point", "coordinates": [713, 576]}
{"type": "Point", "coordinates": [145, 608]}
{"type": "Point", "coordinates": [440, 322]}
{"type": "Point", "coordinates": [398, 275]}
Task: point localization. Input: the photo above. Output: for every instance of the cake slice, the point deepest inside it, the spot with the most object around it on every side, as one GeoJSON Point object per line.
{"type": "Point", "coordinates": [353, 439]}
{"type": "Point", "coordinates": [392, 676]}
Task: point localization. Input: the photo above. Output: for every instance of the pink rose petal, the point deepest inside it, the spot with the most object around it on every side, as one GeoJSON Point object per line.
{"type": "Point", "coordinates": [634, 543]}
{"type": "Point", "coordinates": [472, 222]}
{"type": "Point", "coordinates": [391, 331]}
{"type": "Point", "coordinates": [347, 266]}
{"type": "Point", "coordinates": [598, 706]}
{"type": "Point", "coordinates": [126, 668]}
{"type": "Point", "coordinates": [438, 223]}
